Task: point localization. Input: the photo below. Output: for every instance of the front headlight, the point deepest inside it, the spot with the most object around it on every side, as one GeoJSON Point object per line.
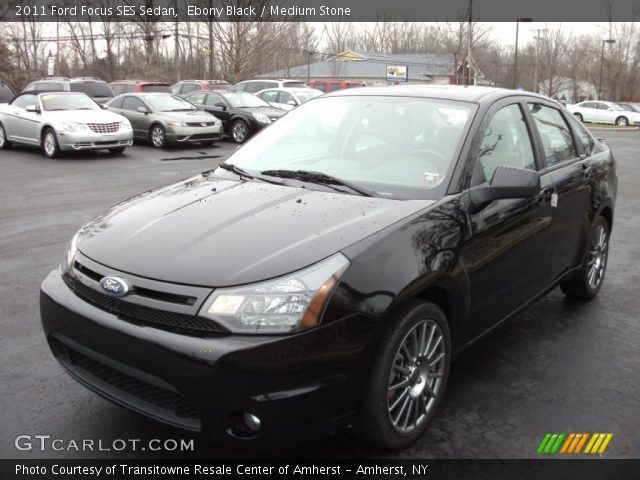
{"type": "Point", "coordinates": [74, 126]}
{"type": "Point", "coordinates": [125, 125]}
{"type": "Point", "coordinates": [261, 117]}
{"type": "Point", "coordinates": [292, 303]}
{"type": "Point", "coordinates": [72, 249]}
{"type": "Point", "coordinates": [173, 123]}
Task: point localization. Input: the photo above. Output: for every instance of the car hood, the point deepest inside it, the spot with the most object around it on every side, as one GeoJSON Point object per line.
{"type": "Point", "coordinates": [214, 232]}
{"type": "Point", "coordinates": [271, 112]}
{"type": "Point", "coordinates": [83, 116]}
{"type": "Point", "coordinates": [195, 116]}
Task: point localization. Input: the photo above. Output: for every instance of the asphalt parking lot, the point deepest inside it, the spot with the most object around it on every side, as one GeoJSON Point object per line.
{"type": "Point", "coordinates": [558, 367]}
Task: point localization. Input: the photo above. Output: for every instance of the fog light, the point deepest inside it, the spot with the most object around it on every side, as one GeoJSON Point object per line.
{"type": "Point", "coordinates": [251, 422]}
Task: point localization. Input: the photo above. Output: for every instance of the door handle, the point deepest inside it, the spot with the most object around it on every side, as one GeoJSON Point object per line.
{"type": "Point", "coordinates": [587, 171]}
{"type": "Point", "coordinates": [545, 195]}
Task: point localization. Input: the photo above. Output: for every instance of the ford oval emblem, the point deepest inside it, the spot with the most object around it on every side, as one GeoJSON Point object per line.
{"type": "Point", "coordinates": [114, 286]}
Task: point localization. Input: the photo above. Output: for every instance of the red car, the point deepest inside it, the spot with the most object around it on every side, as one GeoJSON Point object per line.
{"type": "Point", "coordinates": [188, 86]}
{"type": "Point", "coordinates": [138, 86]}
{"type": "Point", "coordinates": [327, 86]}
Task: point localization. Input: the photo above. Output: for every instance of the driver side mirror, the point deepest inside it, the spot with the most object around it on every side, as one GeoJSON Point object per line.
{"type": "Point", "coordinates": [292, 103]}
{"type": "Point", "coordinates": [508, 182]}
{"type": "Point", "coordinates": [32, 109]}
{"type": "Point", "coordinates": [220, 105]}
{"type": "Point", "coordinates": [144, 110]}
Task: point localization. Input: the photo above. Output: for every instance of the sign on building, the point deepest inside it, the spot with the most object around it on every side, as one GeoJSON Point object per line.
{"type": "Point", "coordinates": [397, 73]}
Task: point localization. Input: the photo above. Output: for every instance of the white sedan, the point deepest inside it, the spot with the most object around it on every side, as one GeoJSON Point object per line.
{"type": "Point", "coordinates": [288, 98]}
{"type": "Point", "coordinates": [603, 112]}
{"type": "Point", "coordinates": [59, 121]}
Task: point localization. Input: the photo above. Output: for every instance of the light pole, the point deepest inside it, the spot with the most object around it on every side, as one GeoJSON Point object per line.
{"type": "Point", "coordinates": [610, 41]}
{"type": "Point", "coordinates": [515, 59]}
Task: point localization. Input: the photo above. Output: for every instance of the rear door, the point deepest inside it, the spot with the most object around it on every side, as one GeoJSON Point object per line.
{"type": "Point", "coordinates": [571, 173]}
{"type": "Point", "coordinates": [507, 257]}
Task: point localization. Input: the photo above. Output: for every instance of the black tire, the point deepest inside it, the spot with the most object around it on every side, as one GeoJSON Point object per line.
{"type": "Point", "coordinates": [117, 150]}
{"type": "Point", "coordinates": [578, 116]}
{"type": "Point", "coordinates": [157, 136]}
{"type": "Point", "coordinates": [4, 143]}
{"type": "Point", "coordinates": [622, 121]}
{"type": "Point", "coordinates": [49, 144]}
{"type": "Point", "coordinates": [382, 399]}
{"type": "Point", "coordinates": [239, 131]}
{"type": "Point", "coordinates": [583, 286]}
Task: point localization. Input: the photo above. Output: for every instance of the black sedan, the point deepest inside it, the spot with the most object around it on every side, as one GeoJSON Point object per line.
{"type": "Point", "coordinates": [326, 274]}
{"type": "Point", "coordinates": [242, 114]}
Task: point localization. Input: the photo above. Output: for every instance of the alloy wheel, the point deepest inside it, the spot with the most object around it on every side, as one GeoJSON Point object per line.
{"type": "Point", "coordinates": [416, 376]}
{"type": "Point", "coordinates": [157, 137]}
{"type": "Point", "coordinates": [2, 138]}
{"type": "Point", "coordinates": [597, 262]}
{"type": "Point", "coordinates": [239, 132]}
{"type": "Point", "coordinates": [49, 144]}
{"type": "Point", "coordinates": [623, 122]}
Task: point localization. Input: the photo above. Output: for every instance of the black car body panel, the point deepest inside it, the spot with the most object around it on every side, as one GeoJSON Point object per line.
{"type": "Point", "coordinates": [480, 263]}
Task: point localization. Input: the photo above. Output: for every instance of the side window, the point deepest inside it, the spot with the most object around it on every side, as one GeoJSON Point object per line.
{"type": "Point", "coordinates": [188, 87]}
{"type": "Point", "coordinates": [117, 103]}
{"type": "Point", "coordinates": [25, 101]}
{"type": "Point", "coordinates": [241, 87]}
{"type": "Point", "coordinates": [334, 87]}
{"type": "Point", "coordinates": [584, 137]}
{"type": "Point", "coordinates": [269, 96]}
{"type": "Point", "coordinates": [213, 99]}
{"type": "Point", "coordinates": [175, 89]}
{"type": "Point", "coordinates": [253, 87]}
{"type": "Point", "coordinates": [506, 143]}
{"type": "Point", "coordinates": [556, 136]}
{"type": "Point", "coordinates": [588, 105]}
{"type": "Point", "coordinates": [197, 98]}
{"type": "Point", "coordinates": [286, 97]}
{"type": "Point", "coordinates": [131, 103]}
{"type": "Point", "coordinates": [117, 89]}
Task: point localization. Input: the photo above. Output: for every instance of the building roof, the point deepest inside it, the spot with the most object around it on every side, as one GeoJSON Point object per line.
{"type": "Point", "coordinates": [355, 64]}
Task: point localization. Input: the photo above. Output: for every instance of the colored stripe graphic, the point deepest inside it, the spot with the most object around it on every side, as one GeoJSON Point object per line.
{"type": "Point", "coordinates": [572, 443]}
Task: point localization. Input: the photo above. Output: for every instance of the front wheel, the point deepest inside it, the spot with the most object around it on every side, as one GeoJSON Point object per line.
{"type": "Point", "coordinates": [587, 283]}
{"type": "Point", "coordinates": [4, 143]}
{"type": "Point", "coordinates": [157, 136]}
{"type": "Point", "coordinates": [408, 378]}
{"type": "Point", "coordinates": [578, 116]}
{"type": "Point", "coordinates": [622, 121]}
{"type": "Point", "coordinates": [239, 131]}
{"type": "Point", "coordinates": [50, 145]}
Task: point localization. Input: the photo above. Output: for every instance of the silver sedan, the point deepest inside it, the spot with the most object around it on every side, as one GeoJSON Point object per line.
{"type": "Point", "coordinates": [62, 121]}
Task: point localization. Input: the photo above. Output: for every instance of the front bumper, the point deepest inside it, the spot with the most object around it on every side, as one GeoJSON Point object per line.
{"type": "Point", "coordinates": [94, 141]}
{"type": "Point", "coordinates": [194, 134]}
{"type": "Point", "coordinates": [299, 386]}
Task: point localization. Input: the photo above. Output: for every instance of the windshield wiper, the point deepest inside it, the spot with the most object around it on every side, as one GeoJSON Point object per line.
{"type": "Point", "coordinates": [183, 110]}
{"type": "Point", "coordinates": [242, 173]}
{"type": "Point", "coordinates": [321, 179]}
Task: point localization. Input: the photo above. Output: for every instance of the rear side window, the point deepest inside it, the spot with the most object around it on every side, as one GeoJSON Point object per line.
{"type": "Point", "coordinates": [556, 136]}
{"type": "Point", "coordinates": [506, 143]}
{"type": "Point", "coordinates": [116, 103]}
{"type": "Point", "coordinates": [334, 87]}
{"type": "Point", "coordinates": [293, 85]}
{"type": "Point", "coordinates": [584, 137]}
{"type": "Point", "coordinates": [189, 87]}
{"type": "Point", "coordinates": [93, 89]}
{"type": "Point", "coordinates": [53, 86]}
{"type": "Point", "coordinates": [131, 103]}
{"type": "Point", "coordinates": [156, 88]}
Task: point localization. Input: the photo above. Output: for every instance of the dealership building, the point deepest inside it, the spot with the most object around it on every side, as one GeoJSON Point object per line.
{"type": "Point", "coordinates": [376, 69]}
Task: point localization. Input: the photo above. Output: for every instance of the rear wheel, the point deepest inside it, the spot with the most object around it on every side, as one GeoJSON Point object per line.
{"type": "Point", "coordinates": [578, 116]}
{"type": "Point", "coordinates": [622, 121]}
{"type": "Point", "coordinates": [157, 136]}
{"type": "Point", "coordinates": [4, 143]}
{"type": "Point", "coordinates": [50, 145]}
{"type": "Point", "coordinates": [587, 283]}
{"type": "Point", "coordinates": [239, 131]}
{"type": "Point", "coordinates": [117, 151]}
{"type": "Point", "coordinates": [408, 377]}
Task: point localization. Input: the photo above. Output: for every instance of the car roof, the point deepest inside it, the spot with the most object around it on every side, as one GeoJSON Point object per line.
{"type": "Point", "coordinates": [445, 92]}
{"type": "Point", "coordinates": [146, 82]}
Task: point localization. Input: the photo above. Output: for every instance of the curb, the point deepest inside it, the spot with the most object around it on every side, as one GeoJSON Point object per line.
{"type": "Point", "coordinates": [614, 129]}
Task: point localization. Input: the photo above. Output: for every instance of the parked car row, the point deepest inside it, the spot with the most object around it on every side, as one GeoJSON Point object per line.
{"type": "Point", "coordinates": [621, 114]}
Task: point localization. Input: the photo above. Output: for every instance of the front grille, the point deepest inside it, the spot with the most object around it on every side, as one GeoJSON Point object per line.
{"type": "Point", "coordinates": [201, 124]}
{"type": "Point", "coordinates": [140, 314]}
{"type": "Point", "coordinates": [153, 400]}
{"type": "Point", "coordinates": [104, 127]}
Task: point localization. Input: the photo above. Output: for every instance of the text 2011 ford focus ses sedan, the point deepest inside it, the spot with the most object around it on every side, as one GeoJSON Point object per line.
{"type": "Point", "coordinates": [325, 275]}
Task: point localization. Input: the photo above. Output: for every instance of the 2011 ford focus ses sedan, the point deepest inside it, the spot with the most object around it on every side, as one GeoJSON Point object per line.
{"type": "Point", "coordinates": [324, 276]}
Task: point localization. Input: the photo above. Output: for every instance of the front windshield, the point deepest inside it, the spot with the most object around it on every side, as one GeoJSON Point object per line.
{"type": "Point", "coordinates": [244, 100]}
{"type": "Point", "coordinates": [307, 94]}
{"type": "Point", "coordinates": [52, 101]}
{"type": "Point", "coordinates": [169, 103]}
{"type": "Point", "coordinates": [379, 142]}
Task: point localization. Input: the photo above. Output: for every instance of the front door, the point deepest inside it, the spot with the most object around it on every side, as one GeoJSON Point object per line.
{"type": "Point", "coordinates": [507, 257]}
